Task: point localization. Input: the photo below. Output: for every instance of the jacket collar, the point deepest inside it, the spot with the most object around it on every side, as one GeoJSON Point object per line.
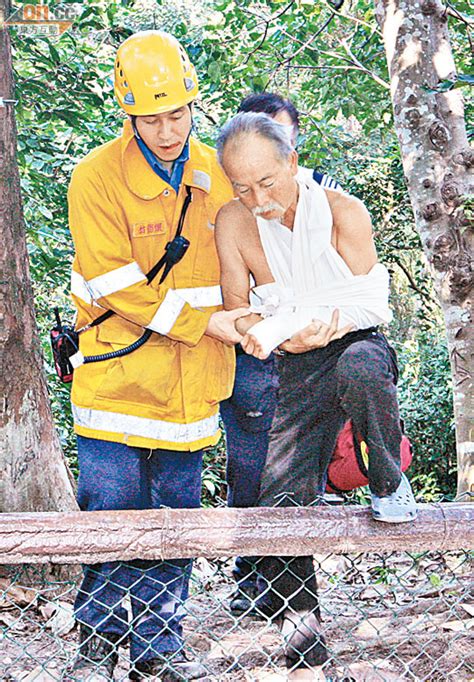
{"type": "Point", "coordinates": [145, 183]}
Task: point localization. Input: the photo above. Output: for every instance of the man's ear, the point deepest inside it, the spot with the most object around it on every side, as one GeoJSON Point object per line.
{"type": "Point", "coordinates": [293, 159]}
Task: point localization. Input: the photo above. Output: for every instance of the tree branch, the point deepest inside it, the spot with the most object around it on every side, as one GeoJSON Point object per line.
{"type": "Point", "coordinates": [259, 45]}
{"type": "Point", "coordinates": [425, 296]}
{"type": "Point", "coordinates": [351, 59]}
{"type": "Point", "coordinates": [360, 66]}
{"type": "Point", "coordinates": [307, 44]}
{"type": "Point", "coordinates": [453, 12]}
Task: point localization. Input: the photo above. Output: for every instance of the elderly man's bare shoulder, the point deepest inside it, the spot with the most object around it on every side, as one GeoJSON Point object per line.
{"type": "Point", "coordinates": [350, 216]}
{"type": "Point", "coordinates": [342, 203]}
{"type": "Point", "coordinates": [234, 219]}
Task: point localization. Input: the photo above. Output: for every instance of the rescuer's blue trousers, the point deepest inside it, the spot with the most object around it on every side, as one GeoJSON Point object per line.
{"type": "Point", "coordinates": [247, 417]}
{"type": "Point", "coordinates": [116, 476]}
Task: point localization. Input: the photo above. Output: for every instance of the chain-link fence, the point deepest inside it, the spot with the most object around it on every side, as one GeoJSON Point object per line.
{"type": "Point", "coordinates": [385, 615]}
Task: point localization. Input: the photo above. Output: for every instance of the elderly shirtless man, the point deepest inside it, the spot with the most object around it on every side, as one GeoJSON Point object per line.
{"type": "Point", "coordinates": [320, 292]}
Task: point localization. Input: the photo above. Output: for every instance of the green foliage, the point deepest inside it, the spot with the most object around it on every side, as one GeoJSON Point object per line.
{"type": "Point", "coordinates": [426, 407]}
{"type": "Point", "coordinates": [332, 64]}
{"type": "Point", "coordinates": [214, 486]}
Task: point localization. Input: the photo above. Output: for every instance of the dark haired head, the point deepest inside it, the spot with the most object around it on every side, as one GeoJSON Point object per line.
{"type": "Point", "coordinates": [270, 103]}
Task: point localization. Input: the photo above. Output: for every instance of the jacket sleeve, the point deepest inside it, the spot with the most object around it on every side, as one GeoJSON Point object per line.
{"type": "Point", "coordinates": [109, 272]}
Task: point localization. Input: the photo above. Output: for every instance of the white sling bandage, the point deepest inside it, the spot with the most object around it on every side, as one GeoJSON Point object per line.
{"type": "Point", "coordinates": [311, 278]}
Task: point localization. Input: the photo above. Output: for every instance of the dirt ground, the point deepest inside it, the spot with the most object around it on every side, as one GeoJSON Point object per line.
{"type": "Point", "coordinates": [385, 618]}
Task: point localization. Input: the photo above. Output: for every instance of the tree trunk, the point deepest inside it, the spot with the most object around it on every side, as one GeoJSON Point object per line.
{"type": "Point", "coordinates": [438, 166]}
{"type": "Point", "coordinates": [33, 472]}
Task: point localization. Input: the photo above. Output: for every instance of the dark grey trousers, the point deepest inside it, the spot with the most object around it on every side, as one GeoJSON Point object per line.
{"type": "Point", "coordinates": [352, 378]}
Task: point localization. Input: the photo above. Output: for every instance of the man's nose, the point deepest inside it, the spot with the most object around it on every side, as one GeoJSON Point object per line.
{"type": "Point", "coordinates": [164, 131]}
{"type": "Point", "coordinates": [261, 196]}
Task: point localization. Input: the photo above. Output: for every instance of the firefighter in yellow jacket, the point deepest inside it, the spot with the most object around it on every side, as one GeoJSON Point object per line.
{"type": "Point", "coordinates": [143, 415]}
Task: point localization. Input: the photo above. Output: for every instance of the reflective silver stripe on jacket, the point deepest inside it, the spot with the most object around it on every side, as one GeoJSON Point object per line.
{"type": "Point", "coordinates": [167, 313]}
{"type": "Point", "coordinates": [156, 429]}
{"type": "Point", "coordinates": [115, 280]}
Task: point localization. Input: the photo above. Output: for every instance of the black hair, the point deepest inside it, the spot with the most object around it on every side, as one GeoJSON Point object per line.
{"type": "Point", "coordinates": [270, 103]}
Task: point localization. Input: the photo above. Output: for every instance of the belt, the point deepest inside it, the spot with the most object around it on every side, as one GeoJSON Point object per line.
{"type": "Point", "coordinates": [356, 335]}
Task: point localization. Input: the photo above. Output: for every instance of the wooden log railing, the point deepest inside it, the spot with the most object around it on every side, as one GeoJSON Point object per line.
{"type": "Point", "coordinates": [94, 537]}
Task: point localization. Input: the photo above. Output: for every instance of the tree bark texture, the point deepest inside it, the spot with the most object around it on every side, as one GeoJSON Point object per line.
{"type": "Point", "coordinates": [95, 537]}
{"type": "Point", "coordinates": [438, 166]}
{"type": "Point", "coordinates": [33, 471]}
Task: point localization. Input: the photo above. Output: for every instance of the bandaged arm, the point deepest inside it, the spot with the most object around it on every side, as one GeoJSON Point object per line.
{"type": "Point", "coordinates": [362, 302]}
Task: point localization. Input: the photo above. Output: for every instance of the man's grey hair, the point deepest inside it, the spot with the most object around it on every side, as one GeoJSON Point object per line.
{"type": "Point", "coordinates": [260, 124]}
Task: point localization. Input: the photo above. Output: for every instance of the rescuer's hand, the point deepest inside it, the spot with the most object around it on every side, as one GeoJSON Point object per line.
{"type": "Point", "coordinates": [316, 335]}
{"type": "Point", "coordinates": [221, 325]}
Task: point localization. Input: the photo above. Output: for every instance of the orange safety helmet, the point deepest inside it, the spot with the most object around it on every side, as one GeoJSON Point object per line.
{"type": "Point", "coordinates": [153, 74]}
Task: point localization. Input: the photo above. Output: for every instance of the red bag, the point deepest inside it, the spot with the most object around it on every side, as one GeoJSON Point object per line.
{"type": "Point", "coordinates": [348, 467]}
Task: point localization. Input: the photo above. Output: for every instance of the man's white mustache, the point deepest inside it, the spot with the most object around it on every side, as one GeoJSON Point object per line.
{"type": "Point", "coordinates": [258, 210]}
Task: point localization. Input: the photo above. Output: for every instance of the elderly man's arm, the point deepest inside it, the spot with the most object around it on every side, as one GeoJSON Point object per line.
{"type": "Point", "coordinates": [316, 335]}
{"type": "Point", "coordinates": [235, 274]}
{"type": "Point", "coordinates": [352, 232]}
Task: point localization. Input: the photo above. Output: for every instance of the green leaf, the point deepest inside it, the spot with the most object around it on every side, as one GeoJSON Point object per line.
{"type": "Point", "coordinates": [259, 83]}
{"type": "Point", "coordinates": [464, 79]}
{"type": "Point", "coordinates": [54, 53]}
{"type": "Point", "coordinates": [45, 211]}
{"type": "Point", "coordinates": [214, 71]}
{"type": "Point", "coordinates": [460, 81]}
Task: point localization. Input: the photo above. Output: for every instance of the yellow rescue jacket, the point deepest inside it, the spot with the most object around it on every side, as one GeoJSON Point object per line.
{"type": "Point", "coordinates": [122, 214]}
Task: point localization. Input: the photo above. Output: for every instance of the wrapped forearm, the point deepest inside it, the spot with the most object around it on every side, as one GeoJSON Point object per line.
{"type": "Point", "coordinates": [272, 331]}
